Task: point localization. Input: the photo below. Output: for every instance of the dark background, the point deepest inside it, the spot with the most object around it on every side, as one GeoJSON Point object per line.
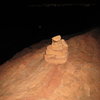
{"type": "Point", "coordinates": [34, 21]}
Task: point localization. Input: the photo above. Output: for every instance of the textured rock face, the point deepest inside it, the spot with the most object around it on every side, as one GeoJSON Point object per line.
{"type": "Point", "coordinates": [57, 52]}
{"type": "Point", "coordinates": [27, 76]}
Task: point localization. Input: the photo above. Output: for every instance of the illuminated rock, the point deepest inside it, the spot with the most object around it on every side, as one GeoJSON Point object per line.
{"type": "Point", "coordinates": [27, 76]}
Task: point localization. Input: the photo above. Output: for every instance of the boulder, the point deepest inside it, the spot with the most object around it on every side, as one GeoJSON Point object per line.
{"type": "Point", "coordinates": [41, 72]}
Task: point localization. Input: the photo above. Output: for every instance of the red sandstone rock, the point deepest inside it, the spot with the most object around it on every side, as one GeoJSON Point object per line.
{"type": "Point", "coordinates": [27, 76]}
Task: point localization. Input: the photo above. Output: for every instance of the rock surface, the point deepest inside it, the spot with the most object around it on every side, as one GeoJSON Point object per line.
{"type": "Point", "coordinates": [27, 76]}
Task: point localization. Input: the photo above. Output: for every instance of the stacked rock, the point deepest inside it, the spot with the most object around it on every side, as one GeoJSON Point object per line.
{"type": "Point", "coordinates": [57, 52]}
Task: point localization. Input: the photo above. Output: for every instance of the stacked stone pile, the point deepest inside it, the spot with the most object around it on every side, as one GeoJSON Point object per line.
{"type": "Point", "coordinates": [57, 52]}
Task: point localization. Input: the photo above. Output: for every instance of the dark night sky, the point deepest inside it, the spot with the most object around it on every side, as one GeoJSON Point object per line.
{"type": "Point", "coordinates": [42, 20]}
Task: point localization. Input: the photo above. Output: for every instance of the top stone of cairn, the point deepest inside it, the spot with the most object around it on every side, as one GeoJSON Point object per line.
{"type": "Point", "coordinates": [56, 38]}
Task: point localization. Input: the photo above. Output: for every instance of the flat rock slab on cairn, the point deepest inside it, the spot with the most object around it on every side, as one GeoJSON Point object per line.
{"type": "Point", "coordinates": [33, 75]}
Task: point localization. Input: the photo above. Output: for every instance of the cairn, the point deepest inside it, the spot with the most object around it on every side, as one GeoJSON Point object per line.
{"type": "Point", "coordinates": [57, 52]}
